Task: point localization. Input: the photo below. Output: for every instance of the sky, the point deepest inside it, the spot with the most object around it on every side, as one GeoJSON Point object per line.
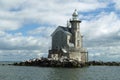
{"type": "Point", "coordinates": [26, 26]}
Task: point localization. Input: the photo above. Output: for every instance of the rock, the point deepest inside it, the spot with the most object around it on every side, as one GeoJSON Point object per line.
{"type": "Point", "coordinates": [46, 62]}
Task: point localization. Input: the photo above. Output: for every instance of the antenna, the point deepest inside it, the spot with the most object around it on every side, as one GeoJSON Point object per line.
{"type": "Point", "coordinates": [68, 24]}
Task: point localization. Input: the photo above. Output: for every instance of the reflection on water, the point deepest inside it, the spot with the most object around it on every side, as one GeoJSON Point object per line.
{"type": "Point", "coordinates": [39, 73]}
{"type": "Point", "coordinates": [67, 73]}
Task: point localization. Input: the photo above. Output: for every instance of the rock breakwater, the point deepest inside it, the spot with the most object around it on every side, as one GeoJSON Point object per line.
{"type": "Point", "coordinates": [45, 62]}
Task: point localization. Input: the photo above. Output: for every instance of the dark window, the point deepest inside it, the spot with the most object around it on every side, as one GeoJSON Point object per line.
{"type": "Point", "coordinates": [78, 42]}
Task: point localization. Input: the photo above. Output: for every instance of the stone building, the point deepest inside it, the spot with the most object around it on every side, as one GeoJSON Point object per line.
{"type": "Point", "coordinates": [67, 42]}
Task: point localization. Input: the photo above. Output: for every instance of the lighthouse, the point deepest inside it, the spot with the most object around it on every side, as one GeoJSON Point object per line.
{"type": "Point", "coordinates": [67, 41]}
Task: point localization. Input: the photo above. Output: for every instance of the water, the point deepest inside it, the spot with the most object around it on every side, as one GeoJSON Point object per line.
{"type": "Point", "coordinates": [39, 73]}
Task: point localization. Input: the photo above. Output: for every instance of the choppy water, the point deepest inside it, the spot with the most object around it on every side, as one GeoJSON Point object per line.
{"type": "Point", "coordinates": [40, 73]}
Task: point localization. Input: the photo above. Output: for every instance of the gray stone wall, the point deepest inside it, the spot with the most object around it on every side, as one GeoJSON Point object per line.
{"type": "Point", "coordinates": [75, 55]}
{"type": "Point", "coordinates": [76, 36]}
{"type": "Point", "coordinates": [59, 40]}
{"type": "Point", "coordinates": [84, 57]}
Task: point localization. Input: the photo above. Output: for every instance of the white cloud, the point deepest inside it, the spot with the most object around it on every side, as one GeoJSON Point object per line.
{"type": "Point", "coordinates": [53, 12]}
{"type": "Point", "coordinates": [108, 53]}
{"type": "Point", "coordinates": [9, 25]}
{"type": "Point", "coordinates": [19, 47]}
{"type": "Point", "coordinates": [19, 55]}
{"type": "Point", "coordinates": [102, 36]}
{"type": "Point", "coordinates": [8, 4]}
{"type": "Point", "coordinates": [43, 31]}
{"type": "Point", "coordinates": [20, 42]}
{"type": "Point", "coordinates": [103, 25]}
{"type": "Point", "coordinates": [117, 4]}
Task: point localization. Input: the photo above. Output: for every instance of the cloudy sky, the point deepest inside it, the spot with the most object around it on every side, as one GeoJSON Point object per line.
{"type": "Point", "coordinates": [26, 25]}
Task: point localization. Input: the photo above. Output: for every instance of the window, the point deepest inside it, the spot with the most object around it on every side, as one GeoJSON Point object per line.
{"type": "Point", "coordinates": [77, 33]}
{"type": "Point", "coordinates": [78, 42]}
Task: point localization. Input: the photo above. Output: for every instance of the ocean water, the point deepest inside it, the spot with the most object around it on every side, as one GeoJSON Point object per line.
{"type": "Point", "coordinates": [39, 73]}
